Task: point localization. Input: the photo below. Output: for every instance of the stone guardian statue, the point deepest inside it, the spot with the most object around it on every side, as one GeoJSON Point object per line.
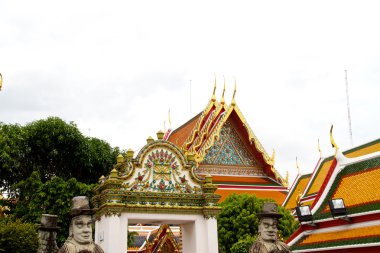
{"type": "Point", "coordinates": [80, 231]}
{"type": "Point", "coordinates": [267, 241]}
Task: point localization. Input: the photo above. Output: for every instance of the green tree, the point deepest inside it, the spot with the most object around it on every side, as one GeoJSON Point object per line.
{"type": "Point", "coordinates": [243, 245]}
{"type": "Point", "coordinates": [17, 236]}
{"type": "Point", "coordinates": [12, 155]}
{"type": "Point", "coordinates": [238, 221]}
{"type": "Point", "coordinates": [35, 198]}
{"type": "Point", "coordinates": [53, 148]}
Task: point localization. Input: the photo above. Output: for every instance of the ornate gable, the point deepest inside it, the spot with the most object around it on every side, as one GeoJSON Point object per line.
{"type": "Point", "coordinates": [229, 149]}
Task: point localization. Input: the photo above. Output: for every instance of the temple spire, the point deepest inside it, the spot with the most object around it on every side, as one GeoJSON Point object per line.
{"type": "Point", "coordinates": [213, 99]}
{"type": "Point", "coordinates": [224, 90]}
{"type": "Point", "coordinates": [233, 96]}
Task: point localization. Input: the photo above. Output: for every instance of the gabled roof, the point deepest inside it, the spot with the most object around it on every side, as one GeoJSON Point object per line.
{"type": "Point", "coordinates": [200, 133]}
{"type": "Point", "coordinates": [355, 180]}
{"type": "Point", "coordinates": [324, 165]}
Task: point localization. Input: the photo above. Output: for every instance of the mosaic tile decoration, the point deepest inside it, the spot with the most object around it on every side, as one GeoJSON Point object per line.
{"type": "Point", "coordinates": [229, 149]}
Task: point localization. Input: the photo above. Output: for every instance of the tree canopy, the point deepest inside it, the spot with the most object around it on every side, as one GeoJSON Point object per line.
{"type": "Point", "coordinates": [53, 148]}
{"type": "Point", "coordinates": [238, 222]}
{"type": "Point", "coordinates": [54, 196]}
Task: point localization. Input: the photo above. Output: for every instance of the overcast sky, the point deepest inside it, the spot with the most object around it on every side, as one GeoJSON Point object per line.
{"type": "Point", "coordinates": [115, 68]}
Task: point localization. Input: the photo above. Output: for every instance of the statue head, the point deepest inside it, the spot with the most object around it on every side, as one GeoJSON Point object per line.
{"type": "Point", "coordinates": [268, 222]}
{"type": "Point", "coordinates": [81, 220]}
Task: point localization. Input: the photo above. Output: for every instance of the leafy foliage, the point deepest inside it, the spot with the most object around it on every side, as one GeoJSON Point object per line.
{"type": "Point", "coordinates": [243, 245]}
{"type": "Point", "coordinates": [18, 237]}
{"type": "Point", "coordinates": [238, 223]}
{"type": "Point", "coordinates": [52, 197]}
{"type": "Point", "coordinates": [53, 148]}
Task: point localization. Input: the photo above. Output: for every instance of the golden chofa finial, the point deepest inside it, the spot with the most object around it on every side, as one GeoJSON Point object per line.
{"type": "Point", "coordinates": [298, 166]}
{"type": "Point", "coordinates": [333, 141]}
{"type": "Point", "coordinates": [213, 99]}
{"type": "Point", "coordinates": [233, 103]}
{"type": "Point", "coordinates": [286, 181]}
{"type": "Point", "coordinates": [224, 90]}
{"type": "Point", "coordinates": [1, 81]}
{"type": "Point", "coordinates": [319, 149]}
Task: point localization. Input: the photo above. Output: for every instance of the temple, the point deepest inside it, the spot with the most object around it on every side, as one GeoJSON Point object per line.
{"type": "Point", "coordinates": [351, 179]}
{"type": "Point", "coordinates": [226, 148]}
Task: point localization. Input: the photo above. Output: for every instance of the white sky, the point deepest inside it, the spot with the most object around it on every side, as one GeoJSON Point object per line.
{"type": "Point", "coordinates": [116, 67]}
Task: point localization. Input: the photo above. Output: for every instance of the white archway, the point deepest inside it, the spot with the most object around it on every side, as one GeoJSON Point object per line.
{"type": "Point", "coordinates": [158, 186]}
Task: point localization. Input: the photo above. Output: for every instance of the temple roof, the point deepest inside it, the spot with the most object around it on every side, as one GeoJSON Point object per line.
{"type": "Point", "coordinates": [324, 164]}
{"type": "Point", "coordinates": [352, 176]}
{"type": "Point", "coordinates": [199, 135]}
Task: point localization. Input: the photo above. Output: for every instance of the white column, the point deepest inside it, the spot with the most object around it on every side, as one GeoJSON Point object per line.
{"type": "Point", "coordinates": [112, 233]}
{"type": "Point", "coordinates": [212, 235]}
{"type": "Point", "coordinates": [188, 237]}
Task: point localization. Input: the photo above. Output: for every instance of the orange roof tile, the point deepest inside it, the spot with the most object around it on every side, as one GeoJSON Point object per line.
{"type": "Point", "coordinates": [278, 196]}
{"type": "Point", "coordinates": [359, 188]}
{"type": "Point", "coordinates": [299, 186]}
{"type": "Point", "coordinates": [179, 135]}
{"type": "Point", "coordinates": [234, 179]}
{"type": "Point", "coordinates": [321, 172]}
{"type": "Point", "coordinates": [353, 233]}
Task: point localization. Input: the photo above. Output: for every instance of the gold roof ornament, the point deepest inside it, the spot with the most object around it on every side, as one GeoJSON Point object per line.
{"type": "Point", "coordinates": [298, 167]}
{"type": "Point", "coordinates": [233, 103]}
{"type": "Point", "coordinates": [224, 90]}
{"type": "Point", "coordinates": [213, 98]}
{"type": "Point", "coordinates": [319, 149]}
{"type": "Point", "coordinates": [286, 182]}
{"type": "Point", "coordinates": [1, 81]}
{"type": "Point", "coordinates": [298, 198]}
{"type": "Point", "coordinates": [333, 143]}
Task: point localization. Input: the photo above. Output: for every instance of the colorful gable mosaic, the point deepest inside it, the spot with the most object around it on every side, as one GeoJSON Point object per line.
{"type": "Point", "coordinates": [229, 149]}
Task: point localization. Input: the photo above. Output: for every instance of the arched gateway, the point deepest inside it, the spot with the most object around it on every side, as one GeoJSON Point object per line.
{"type": "Point", "coordinates": [159, 185]}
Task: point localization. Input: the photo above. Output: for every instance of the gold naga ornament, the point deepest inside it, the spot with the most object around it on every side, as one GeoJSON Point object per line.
{"type": "Point", "coordinates": [1, 81]}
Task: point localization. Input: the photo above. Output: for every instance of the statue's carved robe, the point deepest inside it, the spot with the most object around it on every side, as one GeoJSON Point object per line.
{"type": "Point", "coordinates": [71, 246]}
{"type": "Point", "coordinates": [259, 246]}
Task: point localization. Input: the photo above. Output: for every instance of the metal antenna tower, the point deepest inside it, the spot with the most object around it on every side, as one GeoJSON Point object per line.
{"type": "Point", "coordinates": [348, 110]}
